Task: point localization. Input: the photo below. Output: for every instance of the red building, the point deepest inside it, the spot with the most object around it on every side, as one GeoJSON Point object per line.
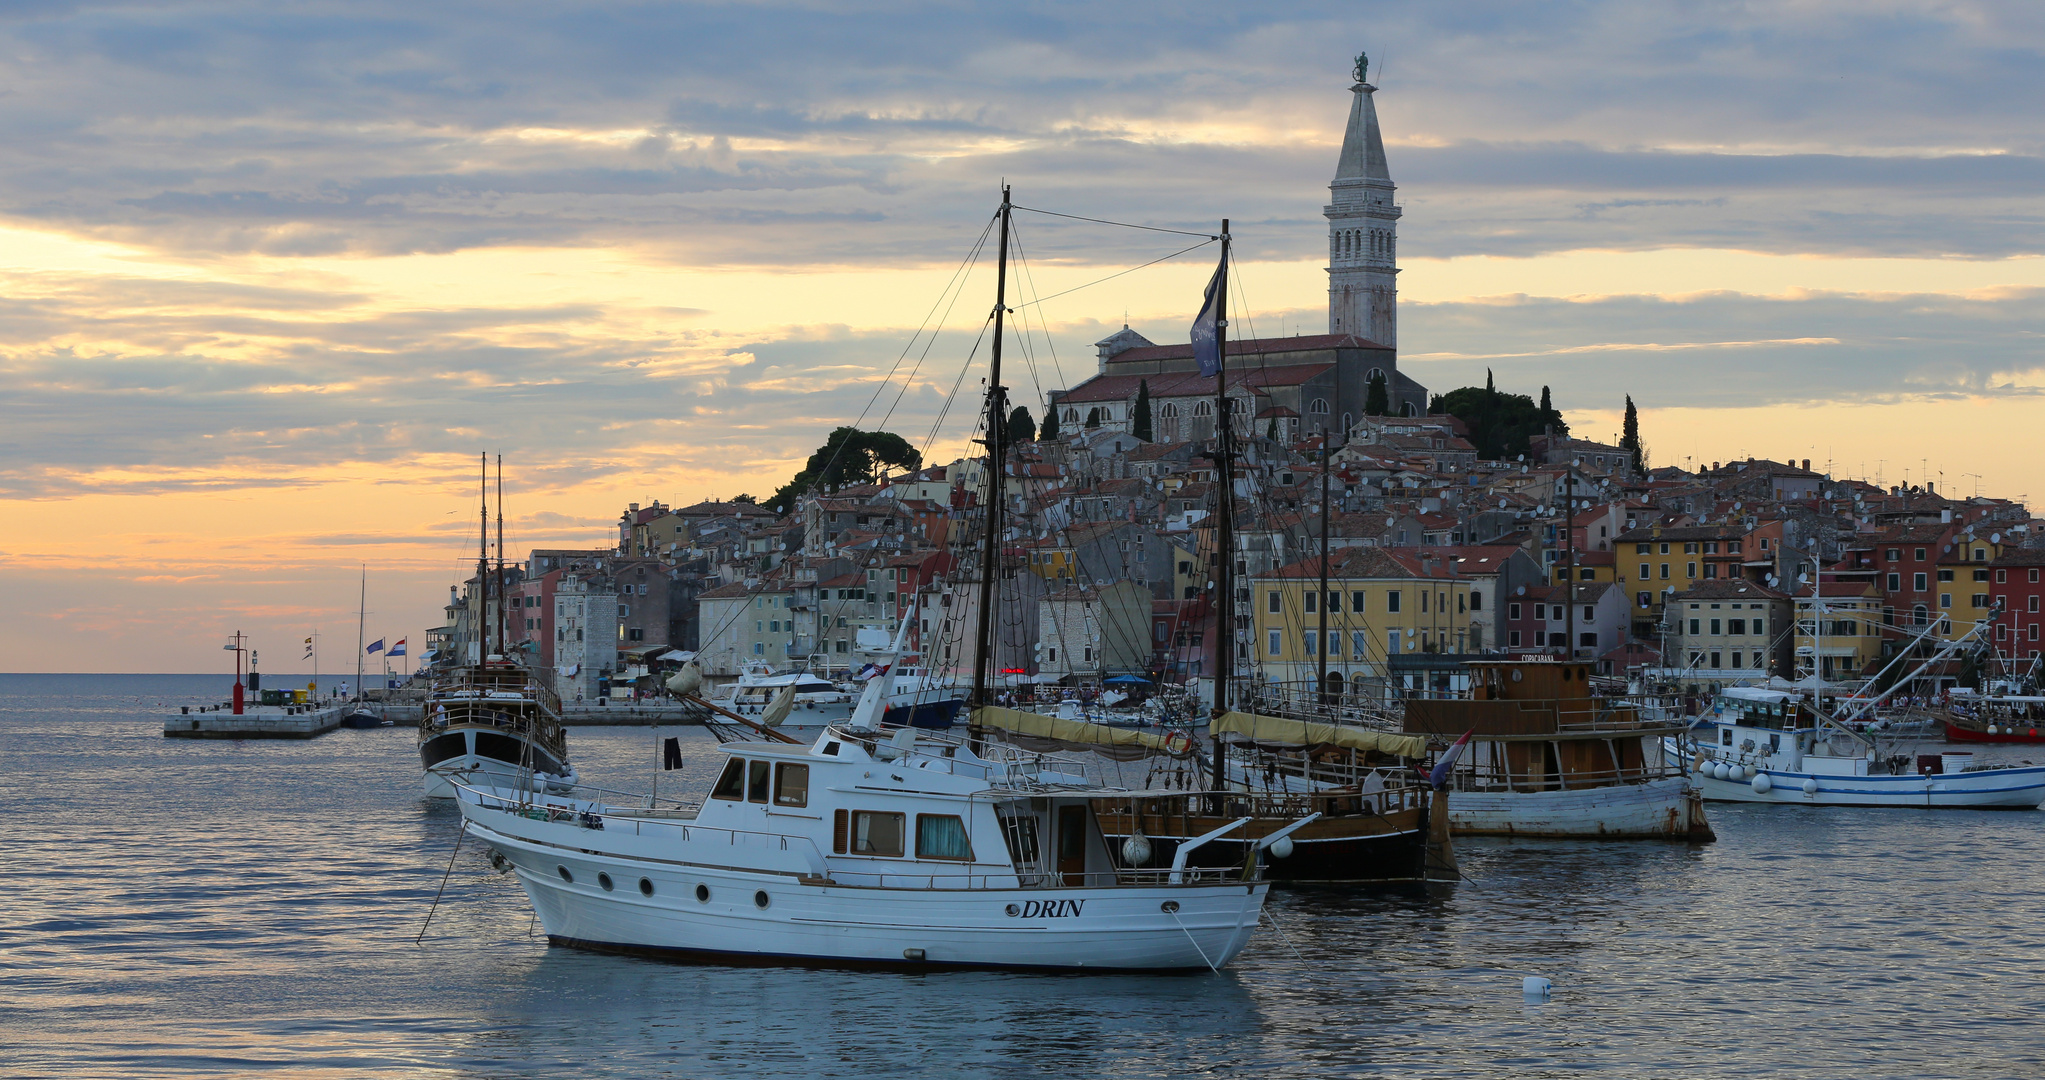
{"type": "Point", "coordinates": [2016, 584]}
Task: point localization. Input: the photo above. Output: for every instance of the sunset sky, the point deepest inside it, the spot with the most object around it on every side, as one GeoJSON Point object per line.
{"type": "Point", "coordinates": [271, 275]}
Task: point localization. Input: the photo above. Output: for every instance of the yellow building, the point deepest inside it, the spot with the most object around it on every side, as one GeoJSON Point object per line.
{"type": "Point", "coordinates": [1379, 604]}
{"type": "Point", "coordinates": [1963, 583]}
{"type": "Point", "coordinates": [1839, 631]}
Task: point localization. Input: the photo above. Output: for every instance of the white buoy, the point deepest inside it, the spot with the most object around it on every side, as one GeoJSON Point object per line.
{"type": "Point", "coordinates": [1136, 850]}
{"type": "Point", "coordinates": [1536, 988]}
{"type": "Point", "coordinates": [1810, 786]}
{"type": "Point", "coordinates": [1282, 848]}
{"type": "Point", "coordinates": [1762, 783]}
{"type": "Point", "coordinates": [1723, 772]}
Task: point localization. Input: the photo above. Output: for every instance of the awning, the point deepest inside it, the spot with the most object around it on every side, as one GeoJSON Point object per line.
{"type": "Point", "coordinates": [676, 654]}
{"type": "Point", "coordinates": [1076, 732]}
{"type": "Point", "coordinates": [1126, 680]}
{"type": "Point", "coordinates": [1271, 729]}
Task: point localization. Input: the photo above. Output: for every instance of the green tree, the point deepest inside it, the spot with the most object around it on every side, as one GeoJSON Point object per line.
{"type": "Point", "coordinates": [744, 498]}
{"type": "Point", "coordinates": [1271, 430]}
{"type": "Point", "coordinates": [1377, 401]}
{"type": "Point", "coordinates": [1050, 429]}
{"type": "Point", "coordinates": [1492, 388]}
{"type": "Point", "coordinates": [1021, 427]}
{"type": "Point", "coordinates": [1501, 424]}
{"type": "Point", "coordinates": [1629, 436]}
{"type": "Point", "coordinates": [1140, 423]}
{"type": "Point", "coordinates": [1093, 418]}
{"type": "Point", "coordinates": [849, 456]}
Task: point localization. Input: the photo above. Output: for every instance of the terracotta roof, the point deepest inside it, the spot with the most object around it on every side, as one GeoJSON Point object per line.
{"type": "Point", "coordinates": [1181, 384]}
{"type": "Point", "coordinates": [1251, 347]}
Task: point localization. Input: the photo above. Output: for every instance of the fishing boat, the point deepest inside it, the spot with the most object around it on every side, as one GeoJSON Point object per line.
{"type": "Point", "coordinates": [912, 850]}
{"type": "Point", "coordinates": [1548, 758]}
{"type": "Point", "coordinates": [1773, 746]}
{"type": "Point", "coordinates": [492, 722]}
{"type": "Point", "coordinates": [1993, 718]}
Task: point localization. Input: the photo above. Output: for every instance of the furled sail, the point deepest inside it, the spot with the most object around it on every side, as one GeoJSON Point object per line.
{"type": "Point", "coordinates": [1272, 729]}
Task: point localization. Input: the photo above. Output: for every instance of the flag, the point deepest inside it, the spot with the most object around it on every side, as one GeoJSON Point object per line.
{"type": "Point", "coordinates": [375, 646]}
{"type": "Point", "coordinates": [1207, 325]}
{"type": "Point", "coordinates": [870, 671]}
{"type": "Point", "coordinates": [398, 649]}
{"type": "Point", "coordinates": [1440, 775]}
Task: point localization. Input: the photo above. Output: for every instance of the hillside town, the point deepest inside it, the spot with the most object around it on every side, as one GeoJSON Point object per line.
{"type": "Point", "coordinates": [1383, 536]}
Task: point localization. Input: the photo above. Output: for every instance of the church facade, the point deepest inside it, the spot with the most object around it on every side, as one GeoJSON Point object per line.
{"type": "Point", "coordinates": [1292, 387]}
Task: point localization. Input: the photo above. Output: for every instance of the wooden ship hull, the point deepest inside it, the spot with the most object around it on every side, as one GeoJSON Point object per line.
{"type": "Point", "coordinates": [1354, 841]}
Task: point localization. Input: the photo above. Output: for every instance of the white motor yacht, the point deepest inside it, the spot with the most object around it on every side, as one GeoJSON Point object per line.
{"type": "Point", "coordinates": [859, 850]}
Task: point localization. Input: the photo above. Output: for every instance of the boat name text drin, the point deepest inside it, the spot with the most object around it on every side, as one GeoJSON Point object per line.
{"type": "Point", "coordinates": [1045, 909]}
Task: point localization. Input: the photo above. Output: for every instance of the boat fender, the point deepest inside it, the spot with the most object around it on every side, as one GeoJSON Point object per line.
{"type": "Point", "coordinates": [1747, 772]}
{"type": "Point", "coordinates": [1136, 849]}
{"type": "Point", "coordinates": [1282, 849]}
{"type": "Point", "coordinates": [1762, 783]}
{"type": "Point", "coordinates": [1536, 988]}
{"type": "Point", "coordinates": [1810, 786]}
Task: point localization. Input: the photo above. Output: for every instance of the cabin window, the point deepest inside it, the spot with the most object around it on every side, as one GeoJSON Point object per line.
{"type": "Point", "coordinates": [1725, 736]}
{"type": "Point", "coordinates": [756, 781]}
{"type": "Point", "coordinates": [876, 834]}
{"type": "Point", "coordinates": [791, 784]}
{"type": "Point", "coordinates": [942, 836]}
{"type": "Point", "coordinates": [732, 785]}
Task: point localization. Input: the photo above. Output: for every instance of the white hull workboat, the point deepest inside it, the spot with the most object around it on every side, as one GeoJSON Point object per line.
{"type": "Point", "coordinates": [1654, 808]}
{"type": "Point", "coordinates": [1769, 747]}
{"type": "Point", "coordinates": [861, 851]}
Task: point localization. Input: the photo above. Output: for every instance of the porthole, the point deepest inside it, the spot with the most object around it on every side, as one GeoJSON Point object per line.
{"type": "Point", "coordinates": [703, 893]}
{"type": "Point", "coordinates": [760, 899]}
{"type": "Point", "coordinates": [603, 881]}
{"type": "Point", "coordinates": [565, 875]}
{"type": "Point", "coordinates": [645, 887]}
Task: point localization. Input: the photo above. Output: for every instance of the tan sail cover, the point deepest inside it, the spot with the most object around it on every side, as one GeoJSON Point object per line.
{"type": "Point", "coordinates": [1271, 729]}
{"type": "Point", "coordinates": [1079, 732]}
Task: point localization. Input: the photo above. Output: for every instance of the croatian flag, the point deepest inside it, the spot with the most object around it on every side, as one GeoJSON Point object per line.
{"type": "Point", "coordinates": [375, 646]}
{"type": "Point", "coordinates": [1440, 776]}
{"type": "Point", "coordinates": [869, 671]}
{"type": "Point", "coordinates": [1207, 325]}
{"type": "Point", "coordinates": [398, 649]}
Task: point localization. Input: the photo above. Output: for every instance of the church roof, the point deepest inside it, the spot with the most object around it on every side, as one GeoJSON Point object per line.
{"type": "Point", "coordinates": [1186, 383]}
{"type": "Point", "coordinates": [1251, 347]}
{"type": "Point", "coordinates": [1363, 146]}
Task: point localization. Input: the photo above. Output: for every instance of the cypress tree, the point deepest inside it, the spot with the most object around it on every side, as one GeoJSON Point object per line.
{"type": "Point", "coordinates": [1491, 388]}
{"type": "Point", "coordinates": [1050, 429]}
{"type": "Point", "coordinates": [1629, 437]}
{"type": "Point", "coordinates": [1093, 419]}
{"type": "Point", "coordinates": [1022, 427]}
{"type": "Point", "coordinates": [1378, 401]}
{"type": "Point", "coordinates": [1141, 420]}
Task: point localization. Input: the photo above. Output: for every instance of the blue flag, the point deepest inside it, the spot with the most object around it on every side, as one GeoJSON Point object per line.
{"type": "Point", "coordinates": [1207, 324]}
{"type": "Point", "coordinates": [375, 646]}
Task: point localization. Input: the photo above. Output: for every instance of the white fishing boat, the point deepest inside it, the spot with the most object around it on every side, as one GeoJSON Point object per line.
{"type": "Point", "coordinates": [1771, 746]}
{"type": "Point", "coordinates": [912, 850]}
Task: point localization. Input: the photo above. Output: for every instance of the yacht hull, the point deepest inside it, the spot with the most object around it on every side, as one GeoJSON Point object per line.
{"type": "Point", "coordinates": [690, 907]}
{"type": "Point", "coordinates": [1661, 809]}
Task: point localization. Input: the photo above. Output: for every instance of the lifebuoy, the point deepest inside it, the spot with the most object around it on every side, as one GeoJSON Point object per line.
{"type": "Point", "coordinates": [1178, 743]}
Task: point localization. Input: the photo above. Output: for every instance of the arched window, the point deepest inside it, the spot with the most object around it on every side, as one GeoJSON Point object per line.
{"type": "Point", "coordinates": [1318, 405]}
{"type": "Point", "coordinates": [1238, 407]}
{"type": "Point", "coordinates": [1918, 615]}
{"type": "Point", "coordinates": [1408, 410]}
{"type": "Point", "coordinates": [1378, 373]}
{"type": "Point", "coordinates": [1348, 421]}
{"type": "Point", "coordinates": [1168, 423]}
{"type": "Point", "coordinates": [1072, 416]}
{"type": "Point", "coordinates": [1202, 408]}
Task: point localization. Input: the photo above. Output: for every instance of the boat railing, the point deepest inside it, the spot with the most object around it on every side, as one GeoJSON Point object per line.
{"type": "Point", "coordinates": [1008, 879]}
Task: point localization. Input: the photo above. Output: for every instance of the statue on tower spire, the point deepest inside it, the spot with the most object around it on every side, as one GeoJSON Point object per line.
{"type": "Point", "coordinates": [1362, 67]}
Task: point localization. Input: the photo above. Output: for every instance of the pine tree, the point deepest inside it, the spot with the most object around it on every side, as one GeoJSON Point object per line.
{"type": "Point", "coordinates": [1021, 427]}
{"type": "Point", "coordinates": [1378, 401]}
{"type": "Point", "coordinates": [1434, 405]}
{"type": "Point", "coordinates": [1049, 431]}
{"type": "Point", "coordinates": [1141, 421]}
{"type": "Point", "coordinates": [1629, 437]}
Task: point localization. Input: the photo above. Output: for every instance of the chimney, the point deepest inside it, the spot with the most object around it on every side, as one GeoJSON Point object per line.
{"type": "Point", "coordinates": [1807, 464]}
{"type": "Point", "coordinates": [635, 507]}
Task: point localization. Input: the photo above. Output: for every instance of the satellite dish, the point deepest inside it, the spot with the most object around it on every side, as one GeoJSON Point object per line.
{"type": "Point", "coordinates": [1522, 591]}
{"type": "Point", "coordinates": [1995, 538]}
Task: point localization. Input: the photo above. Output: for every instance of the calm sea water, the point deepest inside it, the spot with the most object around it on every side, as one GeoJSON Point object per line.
{"type": "Point", "coordinates": [198, 908]}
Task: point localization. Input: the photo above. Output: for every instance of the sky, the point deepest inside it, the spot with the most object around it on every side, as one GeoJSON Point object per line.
{"type": "Point", "coordinates": [272, 275]}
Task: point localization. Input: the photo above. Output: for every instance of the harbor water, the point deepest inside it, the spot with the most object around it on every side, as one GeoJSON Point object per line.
{"type": "Point", "coordinates": [221, 908]}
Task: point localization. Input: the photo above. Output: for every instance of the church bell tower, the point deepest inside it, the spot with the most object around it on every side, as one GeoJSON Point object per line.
{"type": "Point", "coordinates": [1363, 227]}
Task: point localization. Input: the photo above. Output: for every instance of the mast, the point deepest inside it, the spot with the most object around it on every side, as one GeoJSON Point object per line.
{"type": "Point", "coordinates": [503, 615]}
{"type": "Point", "coordinates": [482, 619]}
{"type": "Point", "coordinates": [990, 547]}
{"type": "Point", "coordinates": [1569, 568]}
{"type": "Point", "coordinates": [1224, 519]}
{"type": "Point", "coordinates": [361, 619]}
{"type": "Point", "coordinates": [1321, 678]}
